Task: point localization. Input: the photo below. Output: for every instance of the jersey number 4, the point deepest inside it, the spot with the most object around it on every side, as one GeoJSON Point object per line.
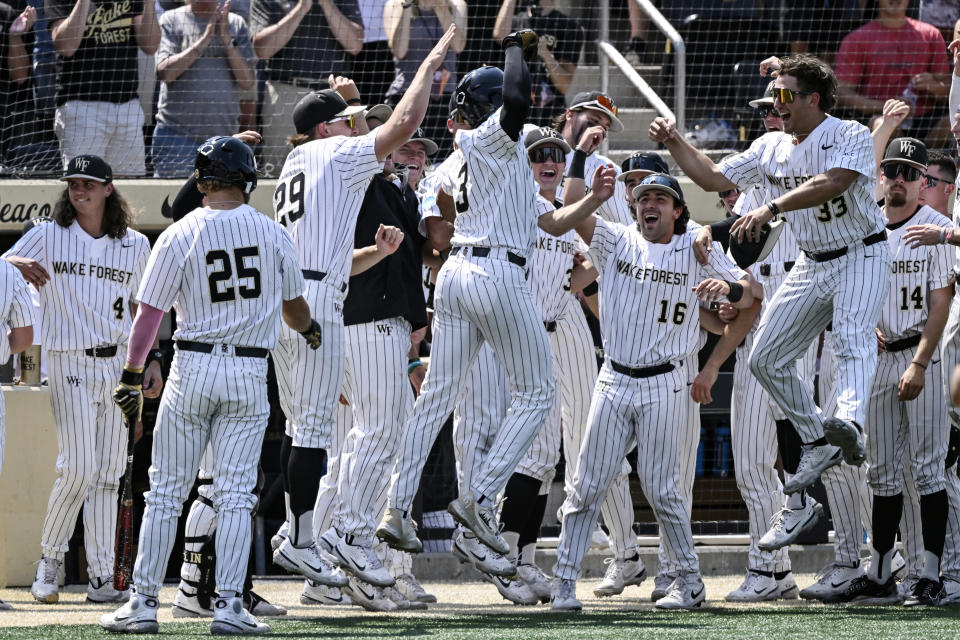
{"type": "Point", "coordinates": [225, 271]}
{"type": "Point", "coordinates": [288, 199]}
{"type": "Point", "coordinates": [679, 312]}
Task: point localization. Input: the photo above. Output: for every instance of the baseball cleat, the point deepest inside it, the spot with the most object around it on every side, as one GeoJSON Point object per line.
{"type": "Point", "coordinates": [563, 597]}
{"type": "Point", "coordinates": [513, 589]}
{"type": "Point", "coordinates": [100, 590]}
{"type": "Point", "coordinates": [282, 533]}
{"type": "Point", "coordinates": [863, 590]}
{"type": "Point", "coordinates": [399, 532]}
{"type": "Point", "coordinates": [686, 592]}
{"type": "Point", "coordinates": [848, 436]}
{"type": "Point", "coordinates": [926, 593]}
{"type": "Point", "coordinates": [260, 606]}
{"type": "Point", "coordinates": [813, 461]}
{"type": "Point", "coordinates": [316, 593]}
{"type": "Point", "coordinates": [231, 619]}
{"type": "Point", "coordinates": [832, 580]}
{"type": "Point", "coordinates": [45, 587]}
{"type": "Point", "coordinates": [137, 615]}
{"type": "Point", "coordinates": [468, 549]}
{"type": "Point", "coordinates": [482, 521]}
{"type": "Point", "coordinates": [328, 540]}
{"type": "Point", "coordinates": [756, 587]}
{"type": "Point", "coordinates": [408, 585]}
{"type": "Point", "coordinates": [368, 596]}
{"type": "Point", "coordinates": [190, 606]}
{"type": "Point", "coordinates": [787, 587]}
{"type": "Point", "coordinates": [619, 575]}
{"type": "Point", "coordinates": [403, 602]}
{"type": "Point", "coordinates": [898, 566]}
{"type": "Point", "coordinates": [599, 540]}
{"type": "Point", "coordinates": [536, 581]}
{"type": "Point", "coordinates": [362, 562]}
{"type": "Point", "coordinates": [661, 583]}
{"type": "Point", "coordinates": [788, 524]}
{"type": "Point", "coordinates": [951, 591]}
{"type": "Point", "coordinates": [310, 563]}
{"type": "Point", "coordinates": [905, 586]}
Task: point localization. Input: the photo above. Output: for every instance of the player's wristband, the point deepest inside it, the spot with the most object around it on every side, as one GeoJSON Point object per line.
{"type": "Point", "coordinates": [132, 377]}
{"type": "Point", "coordinates": [774, 209]}
{"type": "Point", "coordinates": [736, 291]}
{"type": "Point", "coordinates": [919, 364]}
{"type": "Point", "coordinates": [154, 355]}
{"type": "Point", "coordinates": [353, 101]}
{"type": "Point", "coordinates": [591, 289]}
{"type": "Point", "coordinates": [413, 365]}
{"type": "Point", "coordinates": [577, 163]}
{"type": "Point", "coordinates": [946, 236]}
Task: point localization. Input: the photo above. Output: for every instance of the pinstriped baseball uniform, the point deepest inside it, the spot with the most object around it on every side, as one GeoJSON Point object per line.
{"type": "Point", "coordinates": [442, 178]}
{"type": "Point", "coordinates": [86, 304]}
{"type": "Point", "coordinates": [911, 433]}
{"type": "Point", "coordinates": [318, 198]}
{"type": "Point", "coordinates": [657, 280]}
{"type": "Point", "coordinates": [849, 290]}
{"type": "Point", "coordinates": [482, 295]}
{"type": "Point", "coordinates": [481, 407]}
{"type": "Point", "coordinates": [225, 272]}
{"type": "Point", "coordinates": [16, 310]}
{"type": "Point", "coordinates": [614, 209]}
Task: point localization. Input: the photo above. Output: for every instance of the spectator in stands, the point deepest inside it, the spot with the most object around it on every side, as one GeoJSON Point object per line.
{"type": "Point", "coordinates": [894, 56]}
{"type": "Point", "coordinates": [413, 28]}
{"type": "Point", "coordinates": [561, 41]}
{"type": "Point", "coordinates": [943, 14]}
{"type": "Point", "coordinates": [817, 26]}
{"type": "Point", "coordinates": [302, 45]}
{"type": "Point", "coordinates": [638, 51]}
{"type": "Point", "coordinates": [98, 112]}
{"type": "Point", "coordinates": [938, 184]}
{"type": "Point", "coordinates": [205, 60]}
{"type": "Point", "coordinates": [373, 66]}
{"type": "Point", "coordinates": [16, 101]}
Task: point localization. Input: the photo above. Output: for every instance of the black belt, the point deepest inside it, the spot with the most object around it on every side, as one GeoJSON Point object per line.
{"type": "Point", "coordinates": [310, 274]}
{"type": "Point", "coordinates": [903, 344]}
{"type": "Point", "coordinates": [765, 268]}
{"type": "Point", "coordinates": [551, 326]}
{"type": "Point", "coordinates": [642, 372]}
{"type": "Point", "coordinates": [483, 252]}
{"type": "Point", "coordinates": [205, 347]}
{"type": "Point", "coordinates": [824, 256]}
{"type": "Point", "coordinates": [102, 352]}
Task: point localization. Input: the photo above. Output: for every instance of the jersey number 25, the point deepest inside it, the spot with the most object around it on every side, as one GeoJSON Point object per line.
{"type": "Point", "coordinates": [219, 257]}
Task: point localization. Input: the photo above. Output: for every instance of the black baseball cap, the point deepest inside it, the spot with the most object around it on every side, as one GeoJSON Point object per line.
{"type": "Point", "coordinates": [321, 106]}
{"type": "Point", "coordinates": [598, 101]}
{"type": "Point", "coordinates": [766, 100]}
{"type": "Point", "coordinates": [89, 167]}
{"type": "Point", "coordinates": [908, 151]}
{"type": "Point", "coordinates": [543, 136]}
{"type": "Point", "coordinates": [661, 182]}
{"type": "Point", "coordinates": [642, 164]}
{"type": "Point", "coordinates": [428, 145]}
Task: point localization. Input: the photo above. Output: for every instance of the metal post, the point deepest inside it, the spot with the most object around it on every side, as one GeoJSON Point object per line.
{"type": "Point", "coordinates": [604, 65]}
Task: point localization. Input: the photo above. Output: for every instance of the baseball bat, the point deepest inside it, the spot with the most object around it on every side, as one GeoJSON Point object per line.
{"type": "Point", "coordinates": [123, 551]}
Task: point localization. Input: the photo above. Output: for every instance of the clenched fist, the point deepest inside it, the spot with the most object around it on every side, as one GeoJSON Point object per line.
{"type": "Point", "coordinates": [128, 395]}
{"type": "Point", "coordinates": [526, 39]}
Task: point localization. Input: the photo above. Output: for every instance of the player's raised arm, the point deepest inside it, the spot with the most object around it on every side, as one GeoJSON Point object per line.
{"type": "Point", "coordinates": [579, 214]}
{"type": "Point", "coordinates": [409, 113]}
{"type": "Point", "coordinates": [519, 47]}
{"type": "Point", "coordinates": [694, 163]}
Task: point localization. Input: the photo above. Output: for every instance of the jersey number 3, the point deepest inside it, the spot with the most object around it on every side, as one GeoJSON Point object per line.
{"type": "Point", "coordinates": [288, 199]}
{"type": "Point", "coordinates": [219, 293]}
{"type": "Point", "coordinates": [461, 202]}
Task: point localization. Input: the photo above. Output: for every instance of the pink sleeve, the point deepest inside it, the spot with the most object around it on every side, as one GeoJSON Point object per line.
{"type": "Point", "coordinates": [144, 330]}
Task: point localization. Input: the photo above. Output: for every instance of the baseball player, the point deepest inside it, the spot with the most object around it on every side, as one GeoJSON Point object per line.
{"type": "Point", "coordinates": [230, 273]}
{"type": "Point", "coordinates": [16, 317]}
{"type": "Point", "coordinates": [641, 388]}
{"type": "Point", "coordinates": [906, 413]}
{"type": "Point", "coordinates": [318, 198]}
{"type": "Point", "coordinates": [818, 173]}
{"type": "Point", "coordinates": [87, 265]}
{"type": "Point", "coordinates": [482, 296]}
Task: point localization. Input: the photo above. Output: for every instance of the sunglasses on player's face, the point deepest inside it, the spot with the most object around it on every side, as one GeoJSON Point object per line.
{"type": "Point", "coordinates": [350, 120]}
{"type": "Point", "coordinates": [548, 153]}
{"type": "Point", "coordinates": [729, 192]}
{"type": "Point", "coordinates": [786, 96]}
{"type": "Point", "coordinates": [768, 111]}
{"type": "Point", "coordinates": [894, 169]}
{"type": "Point", "coordinates": [930, 181]}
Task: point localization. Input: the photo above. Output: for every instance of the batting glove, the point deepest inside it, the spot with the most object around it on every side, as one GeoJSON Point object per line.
{"type": "Point", "coordinates": [312, 335]}
{"type": "Point", "coordinates": [526, 39]}
{"type": "Point", "coordinates": [128, 395]}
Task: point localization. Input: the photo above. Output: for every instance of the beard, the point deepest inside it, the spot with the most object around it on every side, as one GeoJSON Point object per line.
{"type": "Point", "coordinates": [896, 199]}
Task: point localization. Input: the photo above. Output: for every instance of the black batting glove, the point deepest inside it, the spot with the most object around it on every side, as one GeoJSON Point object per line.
{"type": "Point", "coordinates": [128, 395]}
{"type": "Point", "coordinates": [312, 335]}
{"type": "Point", "coordinates": [526, 39]}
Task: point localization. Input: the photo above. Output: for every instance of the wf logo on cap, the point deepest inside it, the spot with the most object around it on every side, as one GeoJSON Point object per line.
{"type": "Point", "coordinates": [82, 163]}
{"type": "Point", "coordinates": [907, 147]}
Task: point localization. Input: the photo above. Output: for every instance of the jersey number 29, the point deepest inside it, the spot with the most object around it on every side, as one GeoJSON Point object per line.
{"type": "Point", "coordinates": [288, 199]}
{"type": "Point", "coordinates": [244, 271]}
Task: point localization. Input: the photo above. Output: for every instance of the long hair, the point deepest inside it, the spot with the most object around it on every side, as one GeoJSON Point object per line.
{"type": "Point", "coordinates": [117, 214]}
{"type": "Point", "coordinates": [680, 224]}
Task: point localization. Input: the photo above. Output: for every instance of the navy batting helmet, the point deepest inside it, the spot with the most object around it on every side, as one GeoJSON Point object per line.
{"type": "Point", "coordinates": [478, 95]}
{"type": "Point", "coordinates": [228, 160]}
